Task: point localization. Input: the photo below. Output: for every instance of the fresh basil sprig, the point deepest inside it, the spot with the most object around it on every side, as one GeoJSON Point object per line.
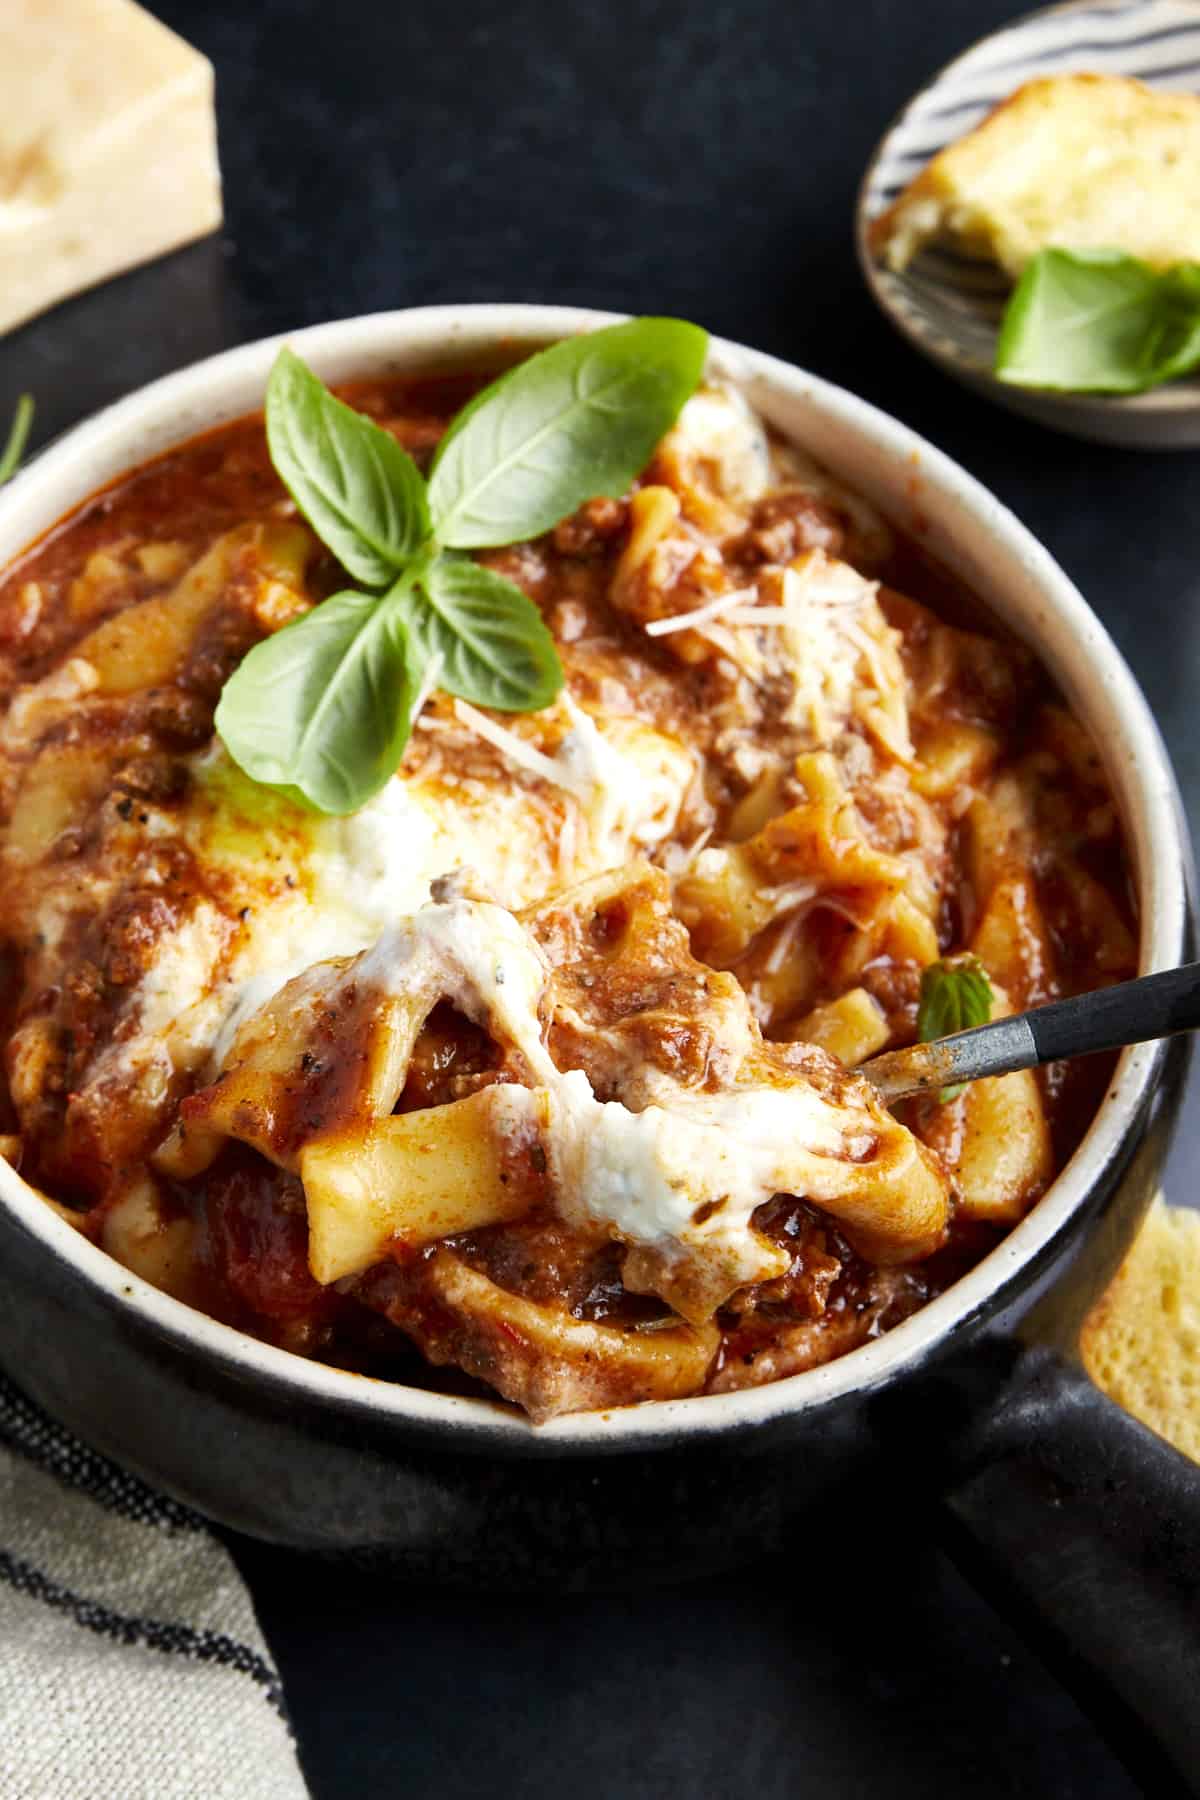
{"type": "Point", "coordinates": [956, 995]}
{"type": "Point", "coordinates": [1098, 321]}
{"type": "Point", "coordinates": [18, 437]}
{"type": "Point", "coordinates": [324, 707]}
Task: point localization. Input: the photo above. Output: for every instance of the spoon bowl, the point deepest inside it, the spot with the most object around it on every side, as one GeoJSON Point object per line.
{"type": "Point", "coordinates": [1131, 1012]}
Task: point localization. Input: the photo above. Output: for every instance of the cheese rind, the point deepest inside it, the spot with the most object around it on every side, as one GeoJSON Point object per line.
{"type": "Point", "coordinates": [108, 148]}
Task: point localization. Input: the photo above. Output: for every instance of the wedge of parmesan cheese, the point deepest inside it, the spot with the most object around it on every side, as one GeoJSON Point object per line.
{"type": "Point", "coordinates": [1074, 162]}
{"type": "Point", "coordinates": [108, 149]}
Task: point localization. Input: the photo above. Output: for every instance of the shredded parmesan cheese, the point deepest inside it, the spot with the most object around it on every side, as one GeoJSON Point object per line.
{"type": "Point", "coordinates": [627, 782]}
{"type": "Point", "coordinates": [833, 627]}
{"type": "Point", "coordinates": [699, 615]}
{"type": "Point", "coordinates": [429, 681]}
{"type": "Point", "coordinates": [782, 947]}
{"type": "Point", "coordinates": [517, 750]}
{"type": "Point", "coordinates": [737, 651]}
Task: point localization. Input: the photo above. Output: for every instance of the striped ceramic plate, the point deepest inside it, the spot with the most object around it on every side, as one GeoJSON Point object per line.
{"type": "Point", "coordinates": [950, 307]}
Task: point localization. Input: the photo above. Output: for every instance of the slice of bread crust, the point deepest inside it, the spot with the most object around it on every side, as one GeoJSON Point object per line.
{"type": "Point", "coordinates": [1141, 1341]}
{"type": "Point", "coordinates": [1077, 162]}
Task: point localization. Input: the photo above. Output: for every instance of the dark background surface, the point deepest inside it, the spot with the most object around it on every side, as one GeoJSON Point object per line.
{"type": "Point", "coordinates": [700, 161]}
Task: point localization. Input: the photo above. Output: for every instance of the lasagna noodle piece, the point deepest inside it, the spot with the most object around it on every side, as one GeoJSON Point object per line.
{"type": "Point", "coordinates": [543, 1358]}
{"type": "Point", "coordinates": [1076, 162]}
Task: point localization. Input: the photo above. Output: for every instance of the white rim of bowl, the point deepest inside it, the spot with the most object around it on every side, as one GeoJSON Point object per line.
{"type": "Point", "coordinates": [909, 320]}
{"type": "Point", "coordinates": [227, 385]}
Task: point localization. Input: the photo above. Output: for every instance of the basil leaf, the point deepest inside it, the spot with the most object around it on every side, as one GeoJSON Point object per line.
{"type": "Point", "coordinates": [492, 644]}
{"type": "Point", "coordinates": [323, 706]}
{"type": "Point", "coordinates": [359, 489]}
{"type": "Point", "coordinates": [1097, 321]}
{"type": "Point", "coordinates": [18, 437]}
{"type": "Point", "coordinates": [576, 421]}
{"type": "Point", "coordinates": [956, 995]}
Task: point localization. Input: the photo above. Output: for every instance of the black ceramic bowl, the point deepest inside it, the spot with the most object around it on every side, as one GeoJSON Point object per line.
{"type": "Point", "coordinates": [979, 1392]}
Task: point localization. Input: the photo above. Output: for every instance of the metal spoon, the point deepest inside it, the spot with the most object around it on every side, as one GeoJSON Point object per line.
{"type": "Point", "coordinates": [1133, 1012]}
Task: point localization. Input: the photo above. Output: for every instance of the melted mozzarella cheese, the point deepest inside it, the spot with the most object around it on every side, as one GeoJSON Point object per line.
{"type": "Point", "coordinates": [338, 882]}
{"type": "Point", "coordinates": [689, 1171]}
{"type": "Point", "coordinates": [477, 956]}
{"type": "Point", "coordinates": [630, 781]}
{"type": "Point", "coordinates": [313, 887]}
{"type": "Point", "coordinates": [719, 436]}
{"type": "Point", "coordinates": [627, 779]}
{"type": "Point", "coordinates": [685, 1174]}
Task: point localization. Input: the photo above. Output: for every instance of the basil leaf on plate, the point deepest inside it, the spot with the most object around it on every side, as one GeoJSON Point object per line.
{"type": "Point", "coordinates": [324, 705]}
{"type": "Point", "coordinates": [18, 437]}
{"type": "Point", "coordinates": [578, 420]}
{"type": "Point", "coordinates": [1098, 321]}
{"type": "Point", "coordinates": [490, 640]}
{"type": "Point", "coordinates": [359, 489]}
{"type": "Point", "coordinates": [956, 995]}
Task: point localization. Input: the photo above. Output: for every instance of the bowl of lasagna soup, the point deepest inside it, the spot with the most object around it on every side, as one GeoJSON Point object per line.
{"type": "Point", "coordinates": [408, 1176]}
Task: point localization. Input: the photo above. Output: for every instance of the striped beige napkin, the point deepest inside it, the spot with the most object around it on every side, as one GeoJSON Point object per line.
{"type": "Point", "coordinates": [131, 1664]}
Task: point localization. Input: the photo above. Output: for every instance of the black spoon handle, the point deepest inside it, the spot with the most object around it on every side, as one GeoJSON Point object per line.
{"type": "Point", "coordinates": [1133, 1012]}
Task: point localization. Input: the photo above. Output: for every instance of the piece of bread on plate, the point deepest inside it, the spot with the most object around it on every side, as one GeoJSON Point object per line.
{"type": "Point", "coordinates": [1075, 161]}
{"type": "Point", "coordinates": [1141, 1342]}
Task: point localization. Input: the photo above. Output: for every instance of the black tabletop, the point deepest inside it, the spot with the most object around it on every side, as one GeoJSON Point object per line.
{"type": "Point", "coordinates": [699, 160]}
